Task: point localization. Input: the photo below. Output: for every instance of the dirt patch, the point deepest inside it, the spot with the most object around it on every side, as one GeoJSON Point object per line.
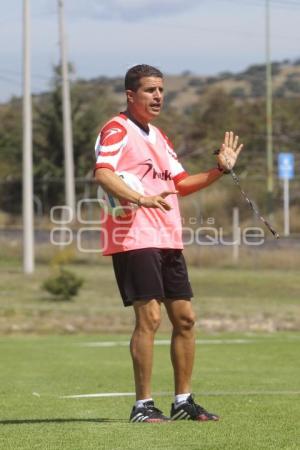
{"type": "Point", "coordinates": [72, 324]}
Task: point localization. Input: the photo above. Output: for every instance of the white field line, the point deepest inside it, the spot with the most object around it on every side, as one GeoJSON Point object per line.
{"type": "Point", "coordinates": [165, 394]}
{"type": "Point", "coordinates": [167, 342]}
{"type": "Point", "coordinates": [103, 394]}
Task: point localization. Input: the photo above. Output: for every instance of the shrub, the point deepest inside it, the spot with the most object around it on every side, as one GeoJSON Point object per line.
{"type": "Point", "coordinates": [64, 285]}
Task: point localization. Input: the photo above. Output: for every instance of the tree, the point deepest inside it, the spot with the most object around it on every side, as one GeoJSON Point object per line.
{"type": "Point", "coordinates": [90, 106]}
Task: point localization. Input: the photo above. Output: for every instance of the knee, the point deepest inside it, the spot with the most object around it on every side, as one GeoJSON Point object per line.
{"type": "Point", "coordinates": [150, 323]}
{"type": "Point", "coordinates": [185, 322]}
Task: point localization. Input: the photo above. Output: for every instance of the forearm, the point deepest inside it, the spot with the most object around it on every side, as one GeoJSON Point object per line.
{"type": "Point", "coordinates": [113, 184]}
{"type": "Point", "coordinates": [199, 181]}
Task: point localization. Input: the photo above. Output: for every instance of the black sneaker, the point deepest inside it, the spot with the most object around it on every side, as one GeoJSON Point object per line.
{"type": "Point", "coordinates": [189, 410]}
{"type": "Point", "coordinates": [147, 413]}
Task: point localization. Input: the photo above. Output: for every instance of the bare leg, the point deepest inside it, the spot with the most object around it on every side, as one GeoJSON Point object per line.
{"type": "Point", "coordinates": [147, 314]}
{"type": "Point", "coordinates": [182, 317]}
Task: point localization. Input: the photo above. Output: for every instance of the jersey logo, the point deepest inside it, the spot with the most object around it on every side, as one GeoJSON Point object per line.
{"type": "Point", "coordinates": [164, 175]}
{"type": "Point", "coordinates": [113, 133]}
{"type": "Point", "coordinates": [148, 163]}
{"type": "Point", "coordinates": [110, 133]}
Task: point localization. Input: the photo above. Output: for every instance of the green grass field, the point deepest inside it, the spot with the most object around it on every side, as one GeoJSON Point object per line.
{"type": "Point", "coordinates": [247, 364]}
{"type": "Point", "coordinates": [251, 380]}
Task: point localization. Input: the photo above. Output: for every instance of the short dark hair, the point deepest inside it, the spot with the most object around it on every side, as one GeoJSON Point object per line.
{"type": "Point", "coordinates": [135, 73]}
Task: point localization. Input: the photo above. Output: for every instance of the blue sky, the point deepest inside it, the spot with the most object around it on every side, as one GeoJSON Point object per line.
{"type": "Point", "coordinates": [105, 37]}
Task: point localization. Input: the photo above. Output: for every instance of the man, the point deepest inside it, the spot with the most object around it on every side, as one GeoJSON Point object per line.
{"type": "Point", "coordinates": [147, 250]}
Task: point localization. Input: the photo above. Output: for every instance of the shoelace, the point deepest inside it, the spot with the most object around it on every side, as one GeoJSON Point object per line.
{"type": "Point", "coordinates": [198, 408]}
{"type": "Point", "coordinates": [201, 410]}
{"type": "Point", "coordinates": [153, 409]}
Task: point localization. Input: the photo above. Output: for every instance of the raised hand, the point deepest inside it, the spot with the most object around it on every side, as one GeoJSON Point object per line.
{"type": "Point", "coordinates": [229, 151]}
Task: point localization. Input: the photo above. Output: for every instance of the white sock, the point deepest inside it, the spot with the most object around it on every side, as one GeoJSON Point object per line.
{"type": "Point", "coordinates": [181, 398]}
{"type": "Point", "coordinates": [140, 403]}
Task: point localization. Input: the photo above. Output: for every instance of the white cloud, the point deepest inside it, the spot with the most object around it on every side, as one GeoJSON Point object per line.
{"type": "Point", "coordinates": [107, 36]}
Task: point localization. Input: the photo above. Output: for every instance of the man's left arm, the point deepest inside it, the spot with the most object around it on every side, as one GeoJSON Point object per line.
{"type": "Point", "coordinates": [226, 159]}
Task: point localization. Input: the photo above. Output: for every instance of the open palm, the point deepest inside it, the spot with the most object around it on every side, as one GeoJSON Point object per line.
{"type": "Point", "coordinates": [229, 151]}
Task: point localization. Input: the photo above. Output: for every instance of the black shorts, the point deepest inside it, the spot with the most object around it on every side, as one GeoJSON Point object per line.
{"type": "Point", "coordinates": [151, 273]}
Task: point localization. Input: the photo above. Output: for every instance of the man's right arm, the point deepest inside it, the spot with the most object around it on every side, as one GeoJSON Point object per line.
{"type": "Point", "coordinates": [113, 184]}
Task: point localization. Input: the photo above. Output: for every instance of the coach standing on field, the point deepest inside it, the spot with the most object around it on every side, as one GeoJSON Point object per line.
{"type": "Point", "coordinates": [147, 252]}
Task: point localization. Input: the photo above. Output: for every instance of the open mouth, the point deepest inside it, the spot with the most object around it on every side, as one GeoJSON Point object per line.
{"type": "Point", "coordinates": [155, 106]}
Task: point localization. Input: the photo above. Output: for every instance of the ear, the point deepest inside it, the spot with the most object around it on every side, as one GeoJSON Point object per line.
{"type": "Point", "coordinates": [129, 95]}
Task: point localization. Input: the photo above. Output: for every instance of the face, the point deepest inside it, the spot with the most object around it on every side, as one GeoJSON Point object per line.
{"type": "Point", "coordinates": [145, 104]}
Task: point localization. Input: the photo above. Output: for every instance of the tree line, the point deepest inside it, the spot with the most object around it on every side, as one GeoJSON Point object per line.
{"type": "Point", "coordinates": [196, 132]}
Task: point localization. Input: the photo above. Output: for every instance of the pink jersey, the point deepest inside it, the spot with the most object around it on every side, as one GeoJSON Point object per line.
{"type": "Point", "coordinates": [124, 146]}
